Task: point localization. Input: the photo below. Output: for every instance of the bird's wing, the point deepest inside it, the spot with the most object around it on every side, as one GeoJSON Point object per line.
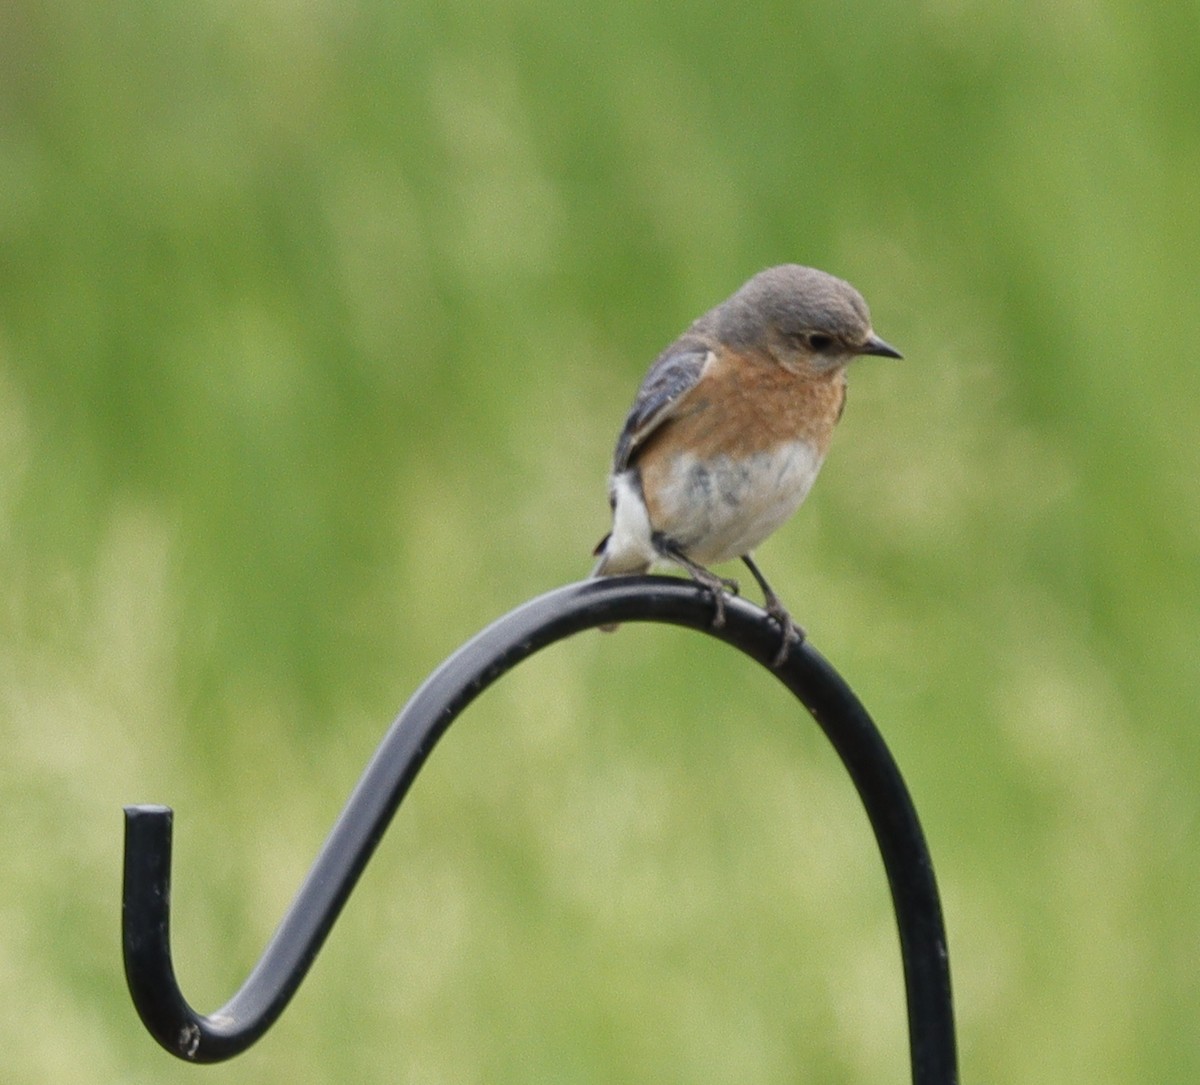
{"type": "Point", "coordinates": [673, 375]}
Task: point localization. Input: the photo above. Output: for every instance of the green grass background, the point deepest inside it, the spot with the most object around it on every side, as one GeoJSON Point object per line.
{"type": "Point", "coordinates": [317, 323]}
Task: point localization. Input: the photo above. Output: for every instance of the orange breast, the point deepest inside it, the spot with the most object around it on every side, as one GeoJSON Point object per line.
{"type": "Point", "coordinates": [746, 405]}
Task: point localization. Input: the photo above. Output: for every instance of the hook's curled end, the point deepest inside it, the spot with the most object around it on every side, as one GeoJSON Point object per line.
{"type": "Point", "coordinates": [145, 921]}
{"type": "Point", "coordinates": [146, 938]}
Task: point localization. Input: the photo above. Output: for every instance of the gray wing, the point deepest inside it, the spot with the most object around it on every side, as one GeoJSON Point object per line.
{"type": "Point", "coordinates": [674, 373]}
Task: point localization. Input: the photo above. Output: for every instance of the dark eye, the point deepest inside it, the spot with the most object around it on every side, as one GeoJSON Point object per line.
{"type": "Point", "coordinates": [819, 342]}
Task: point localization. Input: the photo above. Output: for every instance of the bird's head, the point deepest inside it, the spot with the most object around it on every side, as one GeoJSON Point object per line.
{"type": "Point", "coordinates": [808, 320]}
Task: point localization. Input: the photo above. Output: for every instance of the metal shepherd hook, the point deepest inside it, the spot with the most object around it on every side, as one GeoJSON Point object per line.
{"type": "Point", "coordinates": [519, 634]}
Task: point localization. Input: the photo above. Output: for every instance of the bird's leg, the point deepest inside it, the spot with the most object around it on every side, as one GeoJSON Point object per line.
{"type": "Point", "coordinates": [717, 585]}
{"type": "Point", "coordinates": [792, 633]}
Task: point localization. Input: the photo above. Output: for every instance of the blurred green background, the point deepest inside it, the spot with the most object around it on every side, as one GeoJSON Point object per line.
{"type": "Point", "coordinates": [317, 324]}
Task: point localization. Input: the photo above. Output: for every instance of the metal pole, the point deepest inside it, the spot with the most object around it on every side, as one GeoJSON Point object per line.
{"type": "Point", "coordinates": [490, 654]}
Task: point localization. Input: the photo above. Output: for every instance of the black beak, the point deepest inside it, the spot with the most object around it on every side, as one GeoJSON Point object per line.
{"type": "Point", "coordinates": [875, 345]}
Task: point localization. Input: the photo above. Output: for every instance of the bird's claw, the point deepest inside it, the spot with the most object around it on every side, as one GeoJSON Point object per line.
{"type": "Point", "coordinates": [792, 633]}
{"type": "Point", "coordinates": [719, 588]}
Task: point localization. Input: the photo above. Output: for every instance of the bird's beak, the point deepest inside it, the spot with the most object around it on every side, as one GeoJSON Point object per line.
{"type": "Point", "coordinates": [875, 345]}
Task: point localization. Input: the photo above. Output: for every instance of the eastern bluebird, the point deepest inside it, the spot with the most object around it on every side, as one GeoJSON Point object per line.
{"type": "Point", "coordinates": [730, 427]}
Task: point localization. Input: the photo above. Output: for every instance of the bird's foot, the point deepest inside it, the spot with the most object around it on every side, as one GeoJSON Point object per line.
{"type": "Point", "coordinates": [792, 633]}
{"type": "Point", "coordinates": [718, 587]}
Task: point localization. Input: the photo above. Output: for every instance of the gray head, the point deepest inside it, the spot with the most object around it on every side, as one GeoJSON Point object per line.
{"type": "Point", "coordinates": [805, 317]}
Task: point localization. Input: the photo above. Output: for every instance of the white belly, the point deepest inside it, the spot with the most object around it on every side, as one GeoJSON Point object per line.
{"type": "Point", "coordinates": [714, 510]}
{"type": "Point", "coordinates": [723, 508]}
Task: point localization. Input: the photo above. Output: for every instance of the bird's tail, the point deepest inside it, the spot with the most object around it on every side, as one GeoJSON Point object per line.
{"type": "Point", "coordinates": [601, 556]}
{"type": "Point", "coordinates": [606, 566]}
{"type": "Point", "coordinates": [610, 564]}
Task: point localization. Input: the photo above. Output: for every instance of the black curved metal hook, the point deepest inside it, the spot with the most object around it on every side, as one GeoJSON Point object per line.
{"type": "Point", "coordinates": [399, 757]}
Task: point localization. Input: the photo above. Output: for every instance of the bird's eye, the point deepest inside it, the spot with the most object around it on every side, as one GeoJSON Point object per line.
{"type": "Point", "coordinates": [818, 342]}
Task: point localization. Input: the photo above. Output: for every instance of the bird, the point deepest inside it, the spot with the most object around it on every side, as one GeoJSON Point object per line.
{"type": "Point", "coordinates": [729, 428]}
